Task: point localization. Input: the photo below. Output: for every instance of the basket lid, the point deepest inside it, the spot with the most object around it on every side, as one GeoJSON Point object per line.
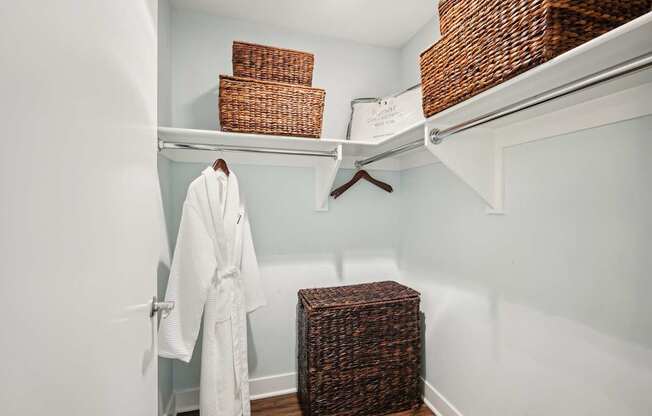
{"type": "Point", "coordinates": [355, 295]}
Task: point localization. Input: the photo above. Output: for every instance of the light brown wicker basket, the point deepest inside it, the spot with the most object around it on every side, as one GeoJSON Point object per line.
{"type": "Point", "coordinates": [453, 13]}
{"type": "Point", "coordinates": [487, 42]}
{"type": "Point", "coordinates": [269, 63]}
{"type": "Point", "coordinates": [264, 107]}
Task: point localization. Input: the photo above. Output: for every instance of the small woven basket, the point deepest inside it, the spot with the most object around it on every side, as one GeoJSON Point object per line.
{"type": "Point", "coordinates": [265, 107]}
{"type": "Point", "coordinates": [359, 350]}
{"type": "Point", "coordinates": [487, 42]}
{"type": "Point", "coordinates": [268, 63]}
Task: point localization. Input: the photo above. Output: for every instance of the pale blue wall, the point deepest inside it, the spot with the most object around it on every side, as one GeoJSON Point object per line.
{"type": "Point", "coordinates": [545, 310]}
{"type": "Point", "coordinates": [541, 311]}
{"type": "Point", "coordinates": [201, 51]}
{"type": "Point", "coordinates": [298, 247]}
{"type": "Point", "coordinates": [409, 53]}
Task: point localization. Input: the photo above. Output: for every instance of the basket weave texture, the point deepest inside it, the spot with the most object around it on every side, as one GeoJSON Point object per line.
{"type": "Point", "coordinates": [264, 107]}
{"type": "Point", "coordinates": [359, 349]}
{"type": "Point", "coordinates": [487, 42]}
{"type": "Point", "coordinates": [269, 63]}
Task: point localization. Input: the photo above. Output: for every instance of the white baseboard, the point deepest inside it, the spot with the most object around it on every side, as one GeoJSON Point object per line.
{"type": "Point", "coordinates": [278, 385]}
{"type": "Point", "coordinates": [436, 401]}
{"type": "Point", "coordinates": [187, 400]}
{"type": "Point", "coordinates": [271, 386]}
{"type": "Point", "coordinates": [171, 406]}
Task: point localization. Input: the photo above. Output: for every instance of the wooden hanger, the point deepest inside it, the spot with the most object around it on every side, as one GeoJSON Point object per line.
{"type": "Point", "coordinates": [361, 174]}
{"type": "Point", "coordinates": [220, 164]}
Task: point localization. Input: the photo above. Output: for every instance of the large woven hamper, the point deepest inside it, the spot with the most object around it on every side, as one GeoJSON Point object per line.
{"type": "Point", "coordinates": [265, 107]}
{"type": "Point", "coordinates": [487, 42]}
{"type": "Point", "coordinates": [359, 349]}
{"type": "Point", "coordinates": [269, 63]}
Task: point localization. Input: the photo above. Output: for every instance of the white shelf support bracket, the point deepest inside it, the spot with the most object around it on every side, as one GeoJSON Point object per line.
{"type": "Point", "coordinates": [476, 158]}
{"type": "Point", "coordinates": [325, 172]}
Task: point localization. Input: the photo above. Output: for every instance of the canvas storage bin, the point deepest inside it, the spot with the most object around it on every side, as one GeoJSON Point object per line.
{"type": "Point", "coordinates": [268, 63]}
{"type": "Point", "coordinates": [264, 107]}
{"type": "Point", "coordinates": [487, 42]}
{"type": "Point", "coordinates": [373, 119]}
{"type": "Point", "coordinates": [359, 349]}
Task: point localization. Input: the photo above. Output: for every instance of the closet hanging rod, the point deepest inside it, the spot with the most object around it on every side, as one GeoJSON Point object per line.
{"type": "Point", "coordinates": [437, 136]}
{"type": "Point", "coordinates": [164, 144]}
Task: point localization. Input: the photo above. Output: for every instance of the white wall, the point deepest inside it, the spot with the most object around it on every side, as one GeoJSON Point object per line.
{"type": "Point", "coordinates": [201, 51]}
{"type": "Point", "coordinates": [544, 310]}
{"type": "Point", "coordinates": [298, 247]}
{"type": "Point", "coordinates": [411, 51]}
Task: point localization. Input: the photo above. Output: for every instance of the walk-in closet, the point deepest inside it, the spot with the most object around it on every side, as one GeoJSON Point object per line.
{"type": "Point", "coordinates": [333, 208]}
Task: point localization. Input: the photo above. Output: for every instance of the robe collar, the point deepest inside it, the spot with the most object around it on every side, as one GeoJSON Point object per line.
{"type": "Point", "coordinates": [226, 212]}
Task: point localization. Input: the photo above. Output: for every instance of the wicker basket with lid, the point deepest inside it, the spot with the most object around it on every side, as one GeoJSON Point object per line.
{"type": "Point", "coordinates": [454, 13]}
{"type": "Point", "coordinates": [269, 63]}
{"type": "Point", "coordinates": [359, 349]}
{"type": "Point", "coordinates": [487, 42]}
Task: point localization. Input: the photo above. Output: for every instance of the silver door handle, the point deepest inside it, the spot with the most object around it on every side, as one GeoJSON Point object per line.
{"type": "Point", "coordinates": [164, 307]}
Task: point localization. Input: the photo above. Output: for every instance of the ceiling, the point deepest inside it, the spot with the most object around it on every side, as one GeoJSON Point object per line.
{"type": "Point", "coordinates": [388, 23]}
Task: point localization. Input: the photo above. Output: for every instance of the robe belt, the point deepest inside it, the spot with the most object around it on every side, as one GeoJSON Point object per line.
{"type": "Point", "coordinates": [231, 272]}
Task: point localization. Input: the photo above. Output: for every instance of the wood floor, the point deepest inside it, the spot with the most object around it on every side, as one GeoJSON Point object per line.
{"type": "Point", "coordinates": [289, 406]}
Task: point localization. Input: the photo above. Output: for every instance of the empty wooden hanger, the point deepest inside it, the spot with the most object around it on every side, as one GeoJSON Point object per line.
{"type": "Point", "coordinates": [361, 174]}
{"type": "Point", "coordinates": [220, 164]}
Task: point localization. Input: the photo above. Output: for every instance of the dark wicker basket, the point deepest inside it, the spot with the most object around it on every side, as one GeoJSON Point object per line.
{"type": "Point", "coordinates": [359, 350]}
{"type": "Point", "coordinates": [265, 107]}
{"type": "Point", "coordinates": [487, 42]}
{"type": "Point", "coordinates": [268, 63]}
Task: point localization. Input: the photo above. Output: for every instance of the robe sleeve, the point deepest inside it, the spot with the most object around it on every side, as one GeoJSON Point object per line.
{"type": "Point", "coordinates": [254, 294]}
{"type": "Point", "coordinates": [192, 270]}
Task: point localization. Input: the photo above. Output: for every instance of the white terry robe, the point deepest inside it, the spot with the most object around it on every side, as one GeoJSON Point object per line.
{"type": "Point", "coordinates": [214, 271]}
